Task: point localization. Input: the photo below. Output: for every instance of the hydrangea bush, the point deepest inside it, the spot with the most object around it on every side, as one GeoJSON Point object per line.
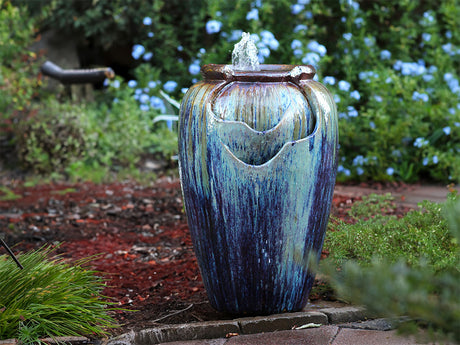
{"type": "Point", "coordinates": [393, 67]}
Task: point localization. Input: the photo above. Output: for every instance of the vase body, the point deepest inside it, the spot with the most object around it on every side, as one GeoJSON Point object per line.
{"type": "Point", "coordinates": [257, 160]}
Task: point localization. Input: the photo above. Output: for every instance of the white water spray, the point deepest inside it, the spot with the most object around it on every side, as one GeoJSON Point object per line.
{"type": "Point", "coordinates": [244, 56]}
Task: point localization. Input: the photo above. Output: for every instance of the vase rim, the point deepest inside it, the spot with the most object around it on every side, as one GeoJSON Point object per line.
{"type": "Point", "coordinates": [267, 73]}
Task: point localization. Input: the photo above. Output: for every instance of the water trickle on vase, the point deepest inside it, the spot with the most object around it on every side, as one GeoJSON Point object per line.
{"type": "Point", "coordinates": [244, 56]}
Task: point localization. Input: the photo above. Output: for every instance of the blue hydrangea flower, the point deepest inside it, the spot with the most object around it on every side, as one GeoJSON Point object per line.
{"type": "Point", "coordinates": [390, 171]}
{"type": "Point", "coordinates": [298, 53]}
{"type": "Point", "coordinates": [355, 94]}
{"type": "Point", "coordinates": [329, 80]}
{"type": "Point", "coordinates": [300, 27]}
{"type": "Point", "coordinates": [452, 82]}
{"type": "Point", "coordinates": [295, 44]}
{"type": "Point", "coordinates": [385, 55]}
{"type": "Point", "coordinates": [235, 35]}
{"type": "Point", "coordinates": [372, 125]}
{"type": "Point", "coordinates": [264, 52]}
{"type": "Point", "coordinates": [420, 142]}
{"type": "Point", "coordinates": [308, 15]}
{"type": "Point", "coordinates": [144, 107]}
{"type": "Point", "coordinates": [425, 161]}
{"type": "Point", "coordinates": [358, 160]}
{"type": "Point", "coordinates": [150, 34]}
{"type": "Point", "coordinates": [359, 171]}
{"type": "Point", "coordinates": [359, 21]}
{"type": "Point", "coordinates": [416, 96]}
{"type": "Point", "coordinates": [194, 68]}
{"type": "Point", "coordinates": [297, 8]}
{"type": "Point", "coordinates": [337, 98]}
{"type": "Point", "coordinates": [352, 112]}
{"type": "Point", "coordinates": [253, 14]}
{"type": "Point", "coordinates": [367, 75]}
{"type": "Point", "coordinates": [303, 2]}
{"type": "Point", "coordinates": [147, 56]}
{"type": "Point", "coordinates": [427, 77]}
{"type": "Point", "coordinates": [269, 39]}
{"type": "Point", "coordinates": [317, 48]}
{"type": "Point", "coordinates": [132, 83]}
{"type": "Point", "coordinates": [157, 103]}
{"type": "Point", "coordinates": [144, 98]}
{"type": "Point", "coordinates": [147, 21]}
{"type": "Point", "coordinates": [347, 36]}
{"type": "Point", "coordinates": [311, 59]}
{"type": "Point", "coordinates": [354, 5]}
{"type": "Point", "coordinates": [427, 17]}
{"type": "Point", "coordinates": [152, 84]}
{"type": "Point", "coordinates": [347, 172]}
{"type": "Point", "coordinates": [449, 34]}
{"type": "Point", "coordinates": [388, 80]}
{"type": "Point", "coordinates": [446, 130]}
{"type": "Point", "coordinates": [369, 41]}
{"type": "Point", "coordinates": [170, 86]}
{"type": "Point", "coordinates": [213, 26]}
{"type": "Point", "coordinates": [344, 85]}
{"type": "Point", "coordinates": [426, 37]}
{"type": "Point", "coordinates": [435, 159]}
{"type": "Point", "coordinates": [138, 51]}
{"type": "Point", "coordinates": [116, 84]}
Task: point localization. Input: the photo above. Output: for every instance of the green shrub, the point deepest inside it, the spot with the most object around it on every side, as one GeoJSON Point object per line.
{"type": "Point", "coordinates": [18, 66]}
{"type": "Point", "coordinates": [50, 298]}
{"type": "Point", "coordinates": [420, 234]}
{"type": "Point", "coordinates": [52, 138]}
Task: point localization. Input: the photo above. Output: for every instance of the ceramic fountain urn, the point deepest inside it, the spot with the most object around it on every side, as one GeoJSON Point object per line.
{"type": "Point", "coordinates": [258, 160]}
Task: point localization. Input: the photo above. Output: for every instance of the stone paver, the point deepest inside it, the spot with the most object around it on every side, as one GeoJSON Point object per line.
{"type": "Point", "coordinates": [279, 322]}
{"type": "Point", "coordinates": [347, 336]}
{"type": "Point", "coordinates": [345, 314]}
{"type": "Point", "coordinates": [312, 336]}
{"type": "Point", "coordinates": [410, 196]}
{"type": "Point", "coordinates": [191, 331]}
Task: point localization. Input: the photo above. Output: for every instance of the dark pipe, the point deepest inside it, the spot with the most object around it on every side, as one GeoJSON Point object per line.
{"type": "Point", "coordinates": [76, 76]}
{"type": "Point", "coordinates": [11, 253]}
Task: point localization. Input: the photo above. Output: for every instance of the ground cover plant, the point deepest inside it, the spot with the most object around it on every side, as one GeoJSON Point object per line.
{"type": "Point", "coordinates": [408, 267]}
{"type": "Point", "coordinates": [50, 298]}
{"type": "Point", "coordinates": [374, 231]}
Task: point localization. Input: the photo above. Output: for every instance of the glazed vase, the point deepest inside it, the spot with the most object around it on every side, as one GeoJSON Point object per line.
{"type": "Point", "coordinates": [257, 161]}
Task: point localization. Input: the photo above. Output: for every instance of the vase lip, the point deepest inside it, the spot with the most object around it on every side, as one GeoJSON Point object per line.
{"type": "Point", "coordinates": [267, 73]}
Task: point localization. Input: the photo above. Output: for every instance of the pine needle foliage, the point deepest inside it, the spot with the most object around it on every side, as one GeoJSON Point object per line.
{"type": "Point", "coordinates": [50, 298]}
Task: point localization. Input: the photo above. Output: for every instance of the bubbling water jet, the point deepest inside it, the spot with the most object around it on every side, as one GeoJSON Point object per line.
{"type": "Point", "coordinates": [244, 55]}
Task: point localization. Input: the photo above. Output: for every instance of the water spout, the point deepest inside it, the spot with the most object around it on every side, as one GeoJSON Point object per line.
{"type": "Point", "coordinates": [244, 56]}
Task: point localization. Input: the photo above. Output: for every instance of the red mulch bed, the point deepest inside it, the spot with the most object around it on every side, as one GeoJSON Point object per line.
{"type": "Point", "coordinates": [140, 235]}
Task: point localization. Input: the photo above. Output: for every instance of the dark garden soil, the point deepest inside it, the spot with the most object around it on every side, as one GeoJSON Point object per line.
{"type": "Point", "coordinates": [141, 239]}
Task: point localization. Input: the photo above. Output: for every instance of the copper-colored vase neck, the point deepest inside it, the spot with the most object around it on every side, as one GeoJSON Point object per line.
{"type": "Point", "coordinates": [267, 73]}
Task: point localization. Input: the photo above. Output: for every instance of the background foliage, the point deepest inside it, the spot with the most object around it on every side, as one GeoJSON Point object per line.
{"type": "Point", "coordinates": [392, 65]}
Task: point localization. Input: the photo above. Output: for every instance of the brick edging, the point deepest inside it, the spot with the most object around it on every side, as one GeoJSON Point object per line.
{"type": "Point", "coordinates": [247, 325]}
